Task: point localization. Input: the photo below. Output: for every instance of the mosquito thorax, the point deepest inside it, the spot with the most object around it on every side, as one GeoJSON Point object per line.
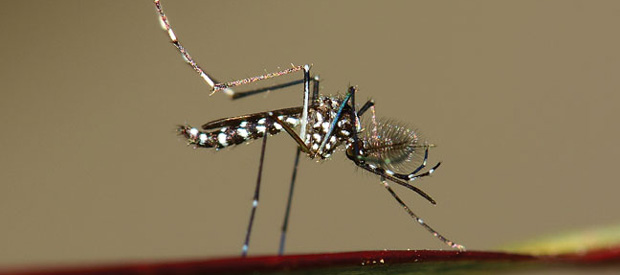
{"type": "Point", "coordinates": [321, 117]}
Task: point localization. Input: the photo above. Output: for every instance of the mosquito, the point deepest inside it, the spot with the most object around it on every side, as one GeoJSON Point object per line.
{"type": "Point", "coordinates": [325, 124]}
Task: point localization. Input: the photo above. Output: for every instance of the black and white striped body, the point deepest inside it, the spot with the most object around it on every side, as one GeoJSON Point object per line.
{"type": "Point", "coordinates": [244, 131]}
{"type": "Point", "coordinates": [251, 127]}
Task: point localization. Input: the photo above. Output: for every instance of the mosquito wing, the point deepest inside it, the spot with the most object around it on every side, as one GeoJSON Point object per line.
{"type": "Point", "coordinates": [283, 114]}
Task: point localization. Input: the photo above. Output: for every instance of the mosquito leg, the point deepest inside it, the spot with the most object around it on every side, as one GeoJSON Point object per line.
{"type": "Point", "coordinates": [407, 177]}
{"type": "Point", "coordinates": [246, 243]}
{"type": "Point", "coordinates": [288, 204]}
{"type": "Point", "coordinates": [419, 220]}
{"type": "Point", "coordinates": [306, 99]}
{"type": "Point", "coordinates": [336, 118]}
{"type": "Point", "coordinates": [225, 87]}
{"type": "Point", "coordinates": [356, 143]}
{"type": "Point", "coordinates": [412, 176]}
{"type": "Point", "coordinates": [221, 86]}
{"type": "Point", "coordinates": [356, 121]}
{"type": "Point", "coordinates": [387, 174]}
{"type": "Point", "coordinates": [243, 94]}
{"type": "Point", "coordinates": [302, 146]}
{"type": "Point", "coordinates": [368, 104]}
{"type": "Point", "coordinates": [314, 99]}
{"type": "Point", "coordinates": [423, 162]}
{"type": "Point", "coordinates": [184, 53]}
{"type": "Point", "coordinates": [304, 112]}
{"type": "Point", "coordinates": [315, 89]}
{"type": "Point", "coordinates": [382, 172]}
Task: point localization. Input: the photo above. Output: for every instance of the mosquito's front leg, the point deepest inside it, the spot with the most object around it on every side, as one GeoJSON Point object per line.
{"type": "Point", "coordinates": [418, 219]}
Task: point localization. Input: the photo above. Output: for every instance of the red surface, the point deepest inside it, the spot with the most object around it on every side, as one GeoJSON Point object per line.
{"type": "Point", "coordinates": [311, 261]}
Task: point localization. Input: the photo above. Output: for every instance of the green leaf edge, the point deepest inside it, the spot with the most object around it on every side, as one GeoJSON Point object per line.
{"type": "Point", "coordinates": [569, 242]}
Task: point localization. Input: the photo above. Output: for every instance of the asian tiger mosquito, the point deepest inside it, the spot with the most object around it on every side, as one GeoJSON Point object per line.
{"type": "Point", "coordinates": [325, 123]}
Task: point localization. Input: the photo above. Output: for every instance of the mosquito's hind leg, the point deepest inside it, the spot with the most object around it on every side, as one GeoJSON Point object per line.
{"type": "Point", "coordinates": [242, 94]}
{"type": "Point", "coordinates": [222, 86]}
{"type": "Point", "coordinates": [184, 53]}
{"type": "Point", "coordinates": [215, 86]}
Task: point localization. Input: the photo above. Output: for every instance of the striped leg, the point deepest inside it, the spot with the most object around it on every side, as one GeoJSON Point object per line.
{"type": "Point", "coordinates": [246, 243]}
{"type": "Point", "coordinates": [289, 201]}
{"type": "Point", "coordinates": [414, 175]}
{"type": "Point", "coordinates": [302, 147]}
{"type": "Point", "coordinates": [173, 38]}
{"type": "Point", "coordinates": [215, 87]}
{"type": "Point", "coordinates": [419, 220]}
{"type": "Point", "coordinates": [384, 174]}
{"type": "Point", "coordinates": [400, 179]}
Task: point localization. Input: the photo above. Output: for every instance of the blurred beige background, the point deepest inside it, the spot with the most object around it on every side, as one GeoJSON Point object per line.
{"type": "Point", "coordinates": [521, 97]}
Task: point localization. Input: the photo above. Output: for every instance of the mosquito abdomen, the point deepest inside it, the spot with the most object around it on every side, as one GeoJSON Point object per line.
{"type": "Point", "coordinates": [234, 134]}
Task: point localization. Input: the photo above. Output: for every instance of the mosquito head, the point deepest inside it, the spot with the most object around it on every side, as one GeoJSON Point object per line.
{"type": "Point", "coordinates": [391, 145]}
